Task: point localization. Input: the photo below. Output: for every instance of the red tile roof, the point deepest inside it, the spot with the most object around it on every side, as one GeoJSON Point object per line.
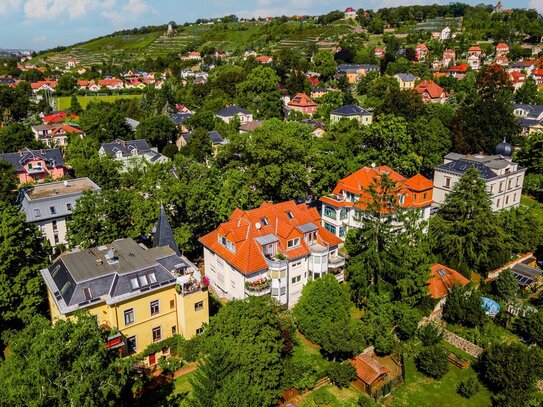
{"type": "Point", "coordinates": [474, 48]}
{"type": "Point", "coordinates": [368, 369]}
{"type": "Point", "coordinates": [244, 227]}
{"type": "Point", "coordinates": [443, 279]}
{"type": "Point", "coordinates": [51, 83]}
{"type": "Point", "coordinates": [349, 10]}
{"type": "Point", "coordinates": [359, 182]}
{"type": "Point", "coordinates": [459, 68]}
{"type": "Point", "coordinates": [302, 100]}
{"type": "Point", "coordinates": [502, 47]}
{"type": "Point", "coordinates": [431, 88]}
{"type": "Point", "coordinates": [517, 76]}
{"type": "Point", "coordinates": [263, 59]}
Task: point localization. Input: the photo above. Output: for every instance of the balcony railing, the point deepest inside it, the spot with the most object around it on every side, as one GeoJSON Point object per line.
{"type": "Point", "coordinates": [187, 285]}
{"type": "Point", "coordinates": [258, 288]}
{"type": "Point", "coordinates": [336, 261]}
{"type": "Point", "coordinates": [276, 262]}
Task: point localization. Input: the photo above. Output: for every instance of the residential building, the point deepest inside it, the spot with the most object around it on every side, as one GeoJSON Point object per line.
{"type": "Point", "coordinates": [458, 71]}
{"type": "Point", "coordinates": [58, 117]}
{"type": "Point", "coordinates": [56, 135]}
{"type": "Point", "coordinates": [144, 294]}
{"type": "Point", "coordinates": [132, 124]}
{"type": "Point", "coordinates": [431, 92]}
{"type": "Point", "coordinates": [351, 112]}
{"type": "Point", "coordinates": [72, 63]}
{"type": "Point", "coordinates": [502, 60]}
{"type": "Point", "coordinates": [449, 57]}
{"type": "Point", "coordinates": [503, 177]}
{"type": "Point", "coordinates": [524, 268]}
{"type": "Point", "coordinates": [343, 209]}
{"type": "Point", "coordinates": [376, 376]}
{"type": "Point", "coordinates": [249, 53]}
{"type": "Point", "coordinates": [111, 83]}
{"type": "Point", "coordinates": [350, 13]}
{"type": "Point", "coordinates": [443, 279]}
{"type": "Point", "coordinates": [132, 153]}
{"type": "Point", "coordinates": [36, 165]}
{"type": "Point", "coordinates": [530, 117]}
{"type": "Point", "coordinates": [527, 65]}
{"type": "Point", "coordinates": [406, 80]}
{"type": "Point", "coordinates": [475, 51]}
{"type": "Point", "coordinates": [319, 92]}
{"type": "Point", "coordinates": [319, 128]}
{"type": "Point", "coordinates": [179, 120]}
{"type": "Point", "coordinates": [517, 78]}
{"type": "Point", "coordinates": [445, 34]}
{"type": "Point", "coordinates": [303, 104]}
{"type": "Point", "coordinates": [421, 52]}
{"type": "Point", "coordinates": [379, 52]}
{"type": "Point", "coordinates": [50, 205]}
{"type": "Point", "coordinates": [274, 249]}
{"type": "Point", "coordinates": [474, 62]}
{"type": "Point", "coordinates": [230, 112]}
{"type": "Point", "coordinates": [216, 140]}
{"type": "Point", "coordinates": [249, 127]}
{"type": "Point", "coordinates": [502, 49]}
{"type": "Point", "coordinates": [537, 74]}
{"type": "Point", "coordinates": [353, 72]}
{"type": "Point", "coordinates": [48, 85]}
{"type": "Point", "coordinates": [264, 59]}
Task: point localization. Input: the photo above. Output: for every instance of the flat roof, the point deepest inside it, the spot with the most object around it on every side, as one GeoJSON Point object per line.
{"type": "Point", "coordinates": [60, 188]}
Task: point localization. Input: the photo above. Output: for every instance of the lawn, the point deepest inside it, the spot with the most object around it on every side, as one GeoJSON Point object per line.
{"type": "Point", "coordinates": [536, 206]}
{"type": "Point", "coordinates": [63, 102]}
{"type": "Point", "coordinates": [331, 396]}
{"type": "Point", "coordinates": [419, 390]}
{"type": "Point", "coordinates": [310, 352]}
{"type": "Point", "coordinates": [182, 385]}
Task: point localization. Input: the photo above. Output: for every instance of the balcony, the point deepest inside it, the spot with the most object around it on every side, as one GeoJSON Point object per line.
{"type": "Point", "coordinates": [186, 285]}
{"type": "Point", "coordinates": [277, 262]}
{"type": "Point", "coordinates": [258, 288]}
{"type": "Point", "coordinates": [335, 262]}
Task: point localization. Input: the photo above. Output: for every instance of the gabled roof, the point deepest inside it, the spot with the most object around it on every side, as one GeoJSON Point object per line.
{"type": "Point", "coordinates": [350, 110]}
{"type": "Point", "coordinates": [418, 183]}
{"type": "Point", "coordinates": [179, 118]}
{"type": "Point", "coordinates": [461, 165]}
{"type": "Point", "coordinates": [368, 369]}
{"type": "Point", "coordinates": [462, 68]}
{"type": "Point", "coordinates": [474, 48]}
{"type": "Point", "coordinates": [126, 147]}
{"type": "Point", "coordinates": [443, 279]}
{"type": "Point", "coordinates": [407, 77]}
{"type": "Point", "coordinates": [52, 157]}
{"type": "Point", "coordinates": [230, 111]}
{"type": "Point", "coordinates": [302, 100]}
{"type": "Point", "coordinates": [214, 135]}
{"type": "Point", "coordinates": [502, 46]}
{"type": "Point", "coordinates": [251, 126]}
{"type": "Point", "coordinates": [431, 88]}
{"type": "Point", "coordinates": [248, 230]}
{"type": "Point", "coordinates": [164, 233]}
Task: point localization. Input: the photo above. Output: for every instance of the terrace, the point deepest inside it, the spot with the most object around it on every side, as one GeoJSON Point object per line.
{"type": "Point", "coordinates": [258, 287]}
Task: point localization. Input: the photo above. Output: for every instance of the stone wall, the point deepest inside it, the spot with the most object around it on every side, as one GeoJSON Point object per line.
{"type": "Point", "coordinates": [462, 344]}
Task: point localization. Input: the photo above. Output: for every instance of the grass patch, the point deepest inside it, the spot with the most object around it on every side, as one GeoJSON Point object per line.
{"type": "Point", "coordinates": [419, 390]}
{"type": "Point", "coordinates": [63, 102]}
{"type": "Point", "coordinates": [309, 351]}
{"type": "Point", "coordinates": [182, 384]}
{"type": "Point", "coordinates": [331, 396]}
{"type": "Point", "coordinates": [489, 333]}
{"type": "Point", "coordinates": [535, 206]}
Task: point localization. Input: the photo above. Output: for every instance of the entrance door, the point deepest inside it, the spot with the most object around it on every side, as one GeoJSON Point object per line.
{"type": "Point", "coordinates": [152, 359]}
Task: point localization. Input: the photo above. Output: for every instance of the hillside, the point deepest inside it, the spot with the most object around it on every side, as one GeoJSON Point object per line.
{"type": "Point", "coordinates": [234, 36]}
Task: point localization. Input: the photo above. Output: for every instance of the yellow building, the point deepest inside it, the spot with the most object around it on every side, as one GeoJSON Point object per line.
{"type": "Point", "coordinates": [146, 294]}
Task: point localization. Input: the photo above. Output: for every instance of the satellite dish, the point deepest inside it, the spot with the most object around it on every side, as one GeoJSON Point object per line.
{"type": "Point", "coordinates": [258, 225]}
{"type": "Point", "coordinates": [372, 165]}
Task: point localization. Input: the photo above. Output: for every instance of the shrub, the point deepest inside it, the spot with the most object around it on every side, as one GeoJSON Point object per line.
{"type": "Point", "coordinates": [341, 374]}
{"type": "Point", "coordinates": [429, 334]}
{"type": "Point", "coordinates": [432, 361]}
{"type": "Point", "coordinates": [468, 388]}
{"type": "Point", "coordinates": [407, 322]}
{"type": "Point", "coordinates": [322, 397]}
{"type": "Point", "coordinates": [190, 350]}
{"type": "Point", "coordinates": [365, 401]}
{"type": "Point", "coordinates": [384, 344]}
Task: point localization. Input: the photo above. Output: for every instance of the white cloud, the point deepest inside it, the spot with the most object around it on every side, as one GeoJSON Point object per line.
{"type": "Point", "coordinates": [132, 10]}
{"type": "Point", "coordinates": [9, 6]}
{"type": "Point", "coordinates": [537, 4]}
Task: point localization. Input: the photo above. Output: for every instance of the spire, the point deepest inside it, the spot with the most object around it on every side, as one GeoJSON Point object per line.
{"type": "Point", "coordinates": [164, 233]}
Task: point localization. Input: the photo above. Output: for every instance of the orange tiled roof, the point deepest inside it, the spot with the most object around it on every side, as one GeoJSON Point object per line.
{"type": "Point", "coordinates": [459, 68]}
{"type": "Point", "coordinates": [244, 227]}
{"type": "Point", "coordinates": [39, 84]}
{"type": "Point", "coordinates": [517, 76]}
{"type": "Point", "coordinates": [368, 369]}
{"type": "Point", "coordinates": [301, 100]}
{"type": "Point", "coordinates": [360, 181]}
{"type": "Point", "coordinates": [502, 47]}
{"type": "Point", "coordinates": [433, 89]}
{"type": "Point", "coordinates": [440, 74]}
{"type": "Point", "coordinates": [263, 58]}
{"type": "Point", "coordinates": [65, 128]}
{"type": "Point", "coordinates": [443, 279]}
{"type": "Point", "coordinates": [474, 48]}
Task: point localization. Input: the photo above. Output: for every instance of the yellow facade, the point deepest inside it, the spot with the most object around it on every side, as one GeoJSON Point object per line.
{"type": "Point", "coordinates": [175, 314]}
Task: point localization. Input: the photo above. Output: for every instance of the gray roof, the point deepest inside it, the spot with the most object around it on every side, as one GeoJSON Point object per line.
{"type": "Point", "coordinates": [460, 166]}
{"type": "Point", "coordinates": [350, 110]}
{"type": "Point", "coordinates": [231, 111]}
{"type": "Point", "coordinates": [164, 234]}
{"type": "Point", "coordinates": [52, 157]}
{"type": "Point", "coordinates": [527, 122]}
{"type": "Point", "coordinates": [313, 123]}
{"type": "Point", "coordinates": [214, 135]}
{"type": "Point", "coordinates": [534, 111]}
{"type": "Point", "coordinates": [526, 274]}
{"type": "Point", "coordinates": [494, 162]}
{"type": "Point", "coordinates": [179, 118]}
{"type": "Point", "coordinates": [133, 124]}
{"type": "Point", "coordinates": [106, 274]}
{"type": "Point", "coordinates": [266, 239]}
{"type": "Point", "coordinates": [307, 227]}
{"type": "Point", "coordinates": [407, 77]}
{"type": "Point", "coordinates": [53, 199]}
{"type": "Point", "coordinates": [354, 67]}
{"type": "Point", "coordinates": [126, 147]}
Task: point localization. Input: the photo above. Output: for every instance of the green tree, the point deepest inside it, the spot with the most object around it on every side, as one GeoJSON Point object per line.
{"type": "Point", "coordinates": [429, 334]}
{"type": "Point", "coordinates": [323, 310]}
{"type": "Point", "coordinates": [528, 92]}
{"type": "Point", "coordinates": [259, 93]}
{"type": "Point", "coordinates": [67, 82]}
{"type": "Point", "coordinates": [407, 320]}
{"type": "Point", "coordinates": [465, 231]}
{"type": "Point", "coordinates": [325, 64]}
{"type": "Point", "coordinates": [105, 122]}
{"type": "Point", "coordinates": [468, 388]}
{"type": "Point", "coordinates": [64, 364]}
{"type": "Point", "coordinates": [8, 182]}
{"type": "Point", "coordinates": [341, 374]}
{"type": "Point", "coordinates": [297, 82]}
{"type": "Point", "coordinates": [75, 106]}
{"type": "Point", "coordinates": [203, 119]}
{"type": "Point", "coordinates": [158, 131]}
{"type": "Point", "coordinates": [404, 103]}
{"type": "Point", "coordinates": [431, 141]}
{"type": "Point", "coordinates": [531, 156]}
{"type": "Point", "coordinates": [17, 136]}
{"type": "Point", "coordinates": [464, 307]}
{"type": "Point", "coordinates": [432, 361]}
{"type": "Point", "coordinates": [530, 327]}
{"type": "Point", "coordinates": [506, 285]}
{"type": "Point", "coordinates": [511, 372]}
{"type": "Point", "coordinates": [244, 346]}
{"type": "Point", "coordinates": [23, 254]}
{"type": "Point", "coordinates": [199, 146]}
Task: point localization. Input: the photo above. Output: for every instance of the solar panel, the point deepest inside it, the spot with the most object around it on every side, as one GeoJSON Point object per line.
{"type": "Point", "coordinates": [441, 272]}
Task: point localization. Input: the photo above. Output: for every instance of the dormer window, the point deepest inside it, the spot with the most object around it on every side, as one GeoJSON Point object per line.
{"type": "Point", "coordinates": [291, 244]}
{"type": "Point", "coordinates": [134, 283]}
{"type": "Point", "coordinates": [290, 214]}
{"type": "Point", "coordinates": [264, 221]}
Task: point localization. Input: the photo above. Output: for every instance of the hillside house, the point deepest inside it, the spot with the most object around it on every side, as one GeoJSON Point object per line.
{"type": "Point", "coordinates": [216, 140]}
{"type": "Point", "coordinates": [303, 104]}
{"type": "Point", "coordinates": [449, 57]}
{"type": "Point", "coordinates": [56, 135]}
{"type": "Point", "coordinates": [406, 80]}
{"type": "Point", "coordinates": [274, 249]}
{"type": "Point", "coordinates": [132, 153]}
{"type": "Point", "coordinates": [443, 279]}
{"type": "Point", "coordinates": [228, 114]}
{"type": "Point", "coordinates": [350, 13]}
{"type": "Point", "coordinates": [351, 112]}
{"type": "Point", "coordinates": [502, 49]}
{"type": "Point", "coordinates": [421, 52]}
{"type": "Point", "coordinates": [431, 92]}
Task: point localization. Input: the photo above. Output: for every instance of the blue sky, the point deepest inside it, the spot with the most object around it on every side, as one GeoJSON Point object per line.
{"type": "Point", "coordinates": [40, 24]}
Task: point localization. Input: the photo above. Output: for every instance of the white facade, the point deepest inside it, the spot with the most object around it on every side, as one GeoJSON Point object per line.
{"type": "Point", "coordinates": [285, 278]}
{"type": "Point", "coordinates": [504, 179]}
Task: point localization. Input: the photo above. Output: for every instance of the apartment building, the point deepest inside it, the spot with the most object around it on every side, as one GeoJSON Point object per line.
{"type": "Point", "coordinates": [50, 205]}
{"type": "Point", "coordinates": [342, 209]}
{"type": "Point", "coordinates": [271, 250]}
{"type": "Point", "coordinates": [504, 178]}
{"type": "Point", "coordinates": [144, 294]}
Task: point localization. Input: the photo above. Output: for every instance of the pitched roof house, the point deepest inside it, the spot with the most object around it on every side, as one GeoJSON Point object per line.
{"type": "Point", "coordinates": [502, 49]}
{"type": "Point", "coordinates": [36, 165]}
{"type": "Point", "coordinates": [350, 13]}
{"type": "Point", "coordinates": [55, 135]}
{"type": "Point", "coordinates": [228, 114]}
{"type": "Point", "coordinates": [406, 80]}
{"type": "Point", "coordinates": [421, 52]}
{"type": "Point", "coordinates": [46, 85]}
{"type": "Point", "coordinates": [443, 279]}
{"type": "Point", "coordinates": [431, 92]}
{"type": "Point", "coordinates": [340, 211]}
{"type": "Point", "coordinates": [132, 152]}
{"type": "Point", "coordinates": [264, 59]}
{"type": "Point", "coordinates": [303, 104]}
{"type": "Point", "coordinates": [351, 112]}
{"type": "Point", "coordinates": [275, 249]}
